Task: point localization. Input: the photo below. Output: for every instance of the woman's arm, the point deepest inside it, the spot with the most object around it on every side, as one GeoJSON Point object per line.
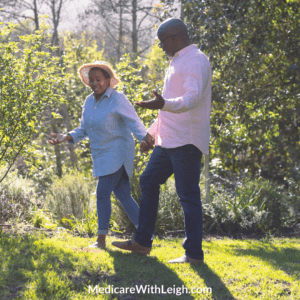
{"type": "Point", "coordinates": [78, 133]}
{"type": "Point", "coordinates": [131, 119]}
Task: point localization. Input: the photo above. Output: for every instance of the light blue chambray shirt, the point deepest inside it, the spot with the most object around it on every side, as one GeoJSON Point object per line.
{"type": "Point", "coordinates": [108, 123]}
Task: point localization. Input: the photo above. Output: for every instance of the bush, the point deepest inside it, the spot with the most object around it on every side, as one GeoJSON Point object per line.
{"type": "Point", "coordinates": [16, 197]}
{"type": "Point", "coordinates": [71, 195]}
{"type": "Point", "coordinates": [254, 206]}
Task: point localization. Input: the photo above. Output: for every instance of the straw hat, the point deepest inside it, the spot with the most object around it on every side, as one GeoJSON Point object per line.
{"type": "Point", "coordinates": [84, 72]}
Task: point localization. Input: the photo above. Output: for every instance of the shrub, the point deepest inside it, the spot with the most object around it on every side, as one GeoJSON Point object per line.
{"type": "Point", "coordinates": [254, 206]}
{"type": "Point", "coordinates": [16, 197]}
{"type": "Point", "coordinates": [71, 195]}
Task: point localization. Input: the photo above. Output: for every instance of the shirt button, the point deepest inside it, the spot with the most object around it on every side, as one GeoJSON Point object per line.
{"type": "Point", "coordinates": [91, 117]}
{"type": "Point", "coordinates": [95, 107]}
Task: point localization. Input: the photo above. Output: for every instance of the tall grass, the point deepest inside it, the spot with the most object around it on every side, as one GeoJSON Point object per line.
{"type": "Point", "coordinates": [73, 194]}
{"type": "Point", "coordinates": [17, 197]}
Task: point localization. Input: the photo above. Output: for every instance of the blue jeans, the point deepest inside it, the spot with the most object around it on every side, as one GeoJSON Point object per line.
{"type": "Point", "coordinates": [117, 182]}
{"type": "Point", "coordinates": [185, 163]}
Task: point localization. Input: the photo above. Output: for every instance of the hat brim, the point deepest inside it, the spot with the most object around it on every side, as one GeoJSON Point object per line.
{"type": "Point", "coordinates": [83, 72]}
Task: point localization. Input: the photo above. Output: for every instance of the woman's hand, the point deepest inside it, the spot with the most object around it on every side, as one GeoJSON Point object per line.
{"type": "Point", "coordinates": [59, 138]}
{"type": "Point", "coordinates": [147, 143]}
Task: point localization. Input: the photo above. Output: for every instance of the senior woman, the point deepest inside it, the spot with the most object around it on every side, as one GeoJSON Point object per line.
{"type": "Point", "coordinates": [108, 119]}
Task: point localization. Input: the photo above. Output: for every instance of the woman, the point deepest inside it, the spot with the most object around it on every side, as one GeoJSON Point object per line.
{"type": "Point", "coordinates": [107, 120]}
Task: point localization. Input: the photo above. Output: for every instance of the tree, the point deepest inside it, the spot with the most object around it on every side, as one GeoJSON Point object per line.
{"type": "Point", "coordinates": [135, 21]}
{"type": "Point", "coordinates": [17, 10]}
{"type": "Point", "coordinates": [30, 81]}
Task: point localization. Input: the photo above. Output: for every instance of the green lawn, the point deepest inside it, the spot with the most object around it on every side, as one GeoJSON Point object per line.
{"type": "Point", "coordinates": [62, 267]}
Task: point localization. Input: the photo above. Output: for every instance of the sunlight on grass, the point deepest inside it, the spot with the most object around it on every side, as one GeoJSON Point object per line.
{"type": "Point", "coordinates": [63, 267]}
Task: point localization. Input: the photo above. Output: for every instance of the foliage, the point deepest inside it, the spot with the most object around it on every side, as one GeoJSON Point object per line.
{"type": "Point", "coordinates": [42, 218]}
{"type": "Point", "coordinates": [73, 194]}
{"type": "Point", "coordinates": [30, 81]}
{"type": "Point", "coordinates": [155, 63]}
{"type": "Point", "coordinates": [170, 213]}
{"type": "Point", "coordinates": [254, 206]}
{"type": "Point", "coordinates": [254, 50]}
{"type": "Point", "coordinates": [16, 197]}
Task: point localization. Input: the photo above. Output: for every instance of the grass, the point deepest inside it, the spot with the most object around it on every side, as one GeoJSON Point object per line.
{"type": "Point", "coordinates": [62, 267]}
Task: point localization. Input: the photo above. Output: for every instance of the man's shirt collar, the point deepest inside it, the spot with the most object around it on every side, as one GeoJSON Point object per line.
{"type": "Point", "coordinates": [185, 50]}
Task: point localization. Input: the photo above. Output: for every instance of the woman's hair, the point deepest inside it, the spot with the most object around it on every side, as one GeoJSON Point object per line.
{"type": "Point", "coordinates": [105, 74]}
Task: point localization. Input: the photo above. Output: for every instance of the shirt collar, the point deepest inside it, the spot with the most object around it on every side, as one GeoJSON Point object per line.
{"type": "Point", "coordinates": [107, 93]}
{"type": "Point", "coordinates": [186, 50]}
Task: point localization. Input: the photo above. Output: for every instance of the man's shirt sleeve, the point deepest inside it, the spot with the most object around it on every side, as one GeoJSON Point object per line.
{"type": "Point", "coordinates": [152, 129]}
{"type": "Point", "coordinates": [195, 80]}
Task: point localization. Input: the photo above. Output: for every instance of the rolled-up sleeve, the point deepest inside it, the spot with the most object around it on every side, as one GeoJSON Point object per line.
{"type": "Point", "coordinates": [194, 83]}
{"type": "Point", "coordinates": [79, 133]}
{"type": "Point", "coordinates": [152, 129]}
{"type": "Point", "coordinates": [130, 117]}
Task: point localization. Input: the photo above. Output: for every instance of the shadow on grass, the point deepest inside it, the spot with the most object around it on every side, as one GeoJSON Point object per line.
{"type": "Point", "coordinates": [148, 272]}
{"type": "Point", "coordinates": [219, 291]}
{"type": "Point", "coordinates": [163, 276]}
{"type": "Point", "coordinates": [21, 258]}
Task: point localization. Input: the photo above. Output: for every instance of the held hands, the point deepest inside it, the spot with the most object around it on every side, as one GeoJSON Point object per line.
{"type": "Point", "coordinates": [157, 103]}
{"type": "Point", "coordinates": [59, 138]}
{"type": "Point", "coordinates": [147, 143]}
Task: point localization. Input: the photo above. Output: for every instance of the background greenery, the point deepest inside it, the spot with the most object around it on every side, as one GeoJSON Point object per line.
{"type": "Point", "coordinates": [253, 47]}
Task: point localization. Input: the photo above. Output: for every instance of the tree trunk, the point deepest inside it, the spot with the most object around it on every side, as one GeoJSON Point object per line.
{"type": "Point", "coordinates": [36, 15]}
{"type": "Point", "coordinates": [120, 29]}
{"type": "Point", "coordinates": [57, 152]}
{"type": "Point", "coordinates": [182, 10]}
{"type": "Point", "coordinates": [134, 27]}
{"type": "Point", "coordinates": [64, 112]}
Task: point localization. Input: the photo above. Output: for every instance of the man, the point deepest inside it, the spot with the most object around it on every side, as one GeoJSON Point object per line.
{"type": "Point", "coordinates": [181, 132]}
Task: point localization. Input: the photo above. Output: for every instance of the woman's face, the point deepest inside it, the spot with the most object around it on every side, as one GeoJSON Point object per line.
{"type": "Point", "coordinates": [98, 82]}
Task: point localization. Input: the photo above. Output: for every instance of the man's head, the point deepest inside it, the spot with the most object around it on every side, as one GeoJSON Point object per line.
{"type": "Point", "coordinates": [173, 36]}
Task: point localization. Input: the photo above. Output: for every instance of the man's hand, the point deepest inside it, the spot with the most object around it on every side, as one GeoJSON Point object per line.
{"type": "Point", "coordinates": [157, 103]}
{"type": "Point", "coordinates": [59, 138]}
{"type": "Point", "coordinates": [147, 143]}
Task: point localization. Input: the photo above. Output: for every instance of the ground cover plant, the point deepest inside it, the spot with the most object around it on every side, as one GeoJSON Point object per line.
{"type": "Point", "coordinates": [63, 267]}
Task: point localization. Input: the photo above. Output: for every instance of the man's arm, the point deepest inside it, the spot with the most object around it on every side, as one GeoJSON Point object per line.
{"type": "Point", "coordinates": [196, 76]}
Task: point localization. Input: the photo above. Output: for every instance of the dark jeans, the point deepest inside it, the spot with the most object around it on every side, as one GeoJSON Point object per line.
{"type": "Point", "coordinates": [185, 163]}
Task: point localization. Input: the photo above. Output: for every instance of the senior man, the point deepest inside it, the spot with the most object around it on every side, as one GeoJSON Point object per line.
{"type": "Point", "coordinates": [181, 132]}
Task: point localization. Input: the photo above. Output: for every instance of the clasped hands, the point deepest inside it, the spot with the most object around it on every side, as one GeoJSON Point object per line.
{"type": "Point", "coordinates": [147, 143]}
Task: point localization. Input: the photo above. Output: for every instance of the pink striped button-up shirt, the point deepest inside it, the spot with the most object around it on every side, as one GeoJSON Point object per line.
{"type": "Point", "coordinates": [185, 117]}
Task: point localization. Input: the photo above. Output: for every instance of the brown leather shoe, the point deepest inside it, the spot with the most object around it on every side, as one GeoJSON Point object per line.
{"type": "Point", "coordinates": [132, 246]}
{"type": "Point", "coordinates": [100, 242]}
{"type": "Point", "coordinates": [185, 259]}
